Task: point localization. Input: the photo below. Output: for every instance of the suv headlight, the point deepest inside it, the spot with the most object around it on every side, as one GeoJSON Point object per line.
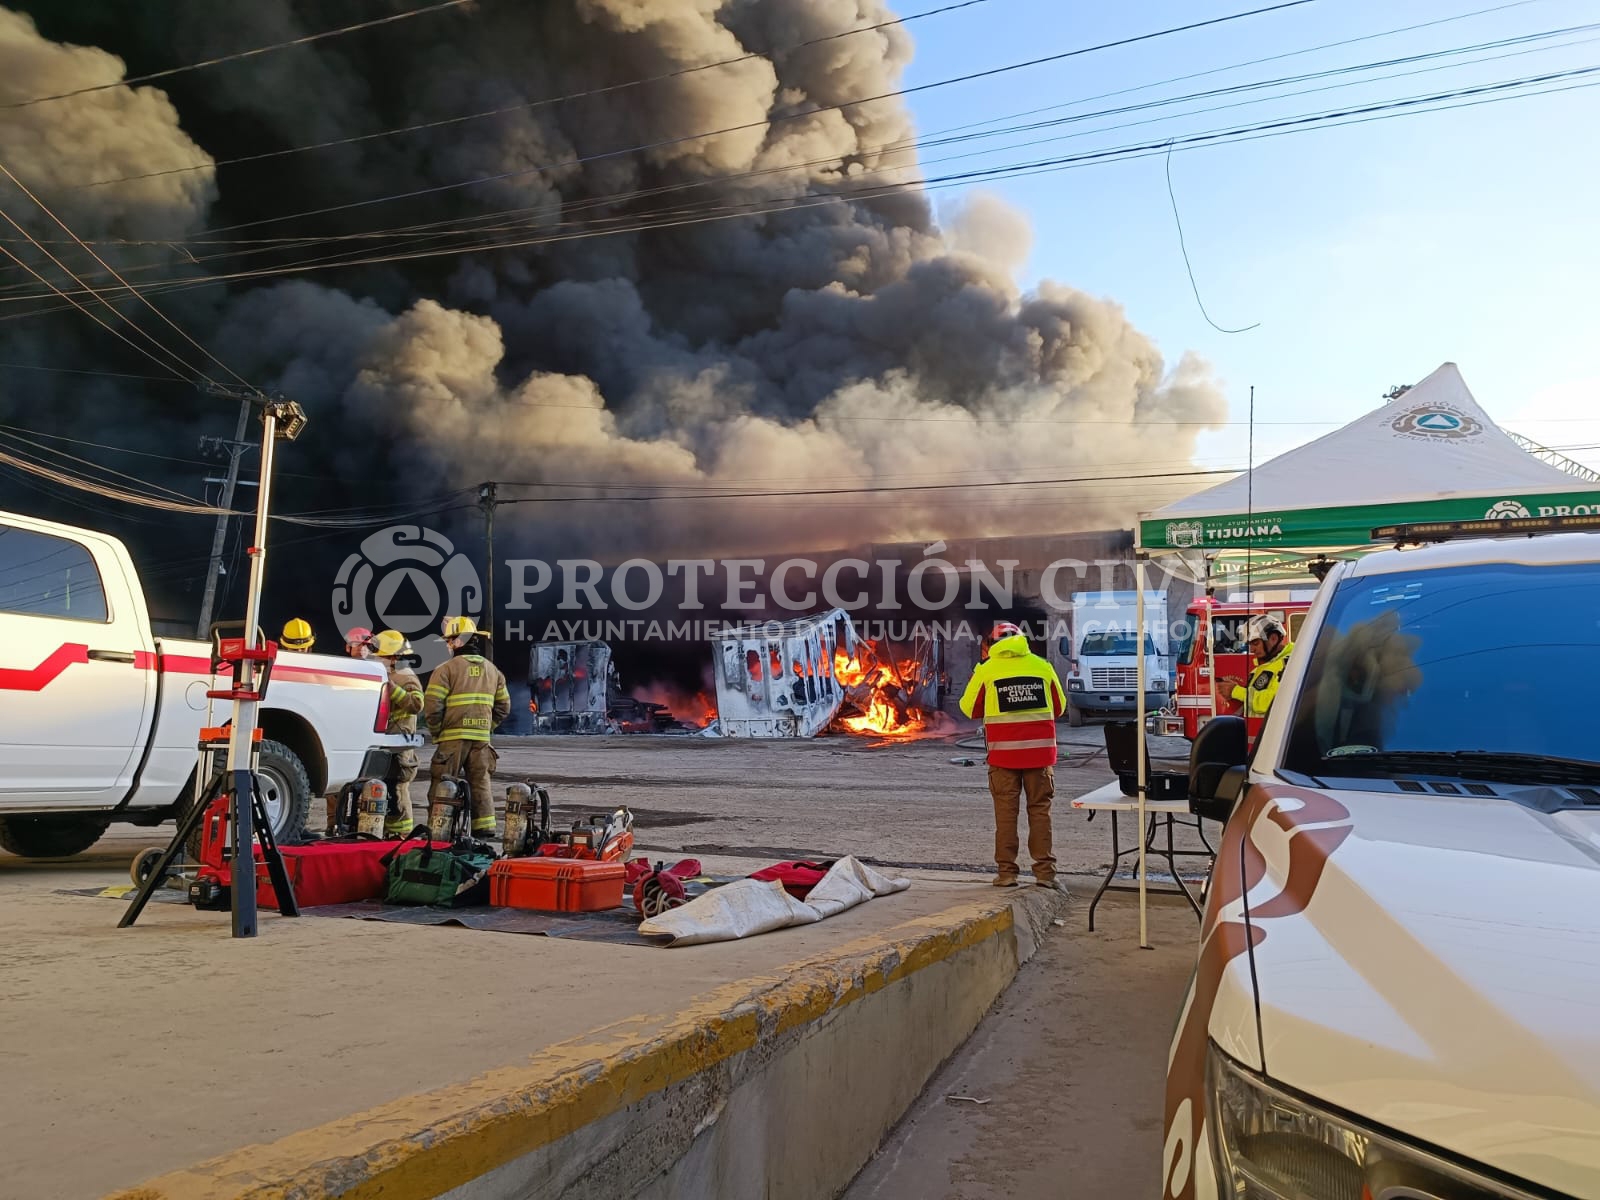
{"type": "Point", "coordinates": [1273, 1145]}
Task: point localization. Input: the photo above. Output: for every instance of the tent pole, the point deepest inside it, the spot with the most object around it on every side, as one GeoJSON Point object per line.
{"type": "Point", "coordinates": [1211, 646]}
{"type": "Point", "coordinates": [1139, 636]}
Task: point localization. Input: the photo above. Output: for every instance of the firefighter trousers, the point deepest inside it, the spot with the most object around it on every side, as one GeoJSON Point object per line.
{"type": "Point", "coordinates": [475, 760]}
{"type": "Point", "coordinates": [404, 770]}
{"type": "Point", "coordinates": [1008, 785]}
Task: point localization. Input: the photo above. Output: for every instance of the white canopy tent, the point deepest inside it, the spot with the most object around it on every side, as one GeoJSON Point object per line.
{"type": "Point", "coordinates": [1432, 454]}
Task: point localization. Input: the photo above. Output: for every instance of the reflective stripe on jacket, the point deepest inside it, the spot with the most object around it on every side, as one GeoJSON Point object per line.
{"type": "Point", "coordinates": [405, 699]}
{"type": "Point", "coordinates": [1019, 698]}
{"type": "Point", "coordinates": [465, 700]}
{"type": "Point", "coordinates": [1257, 698]}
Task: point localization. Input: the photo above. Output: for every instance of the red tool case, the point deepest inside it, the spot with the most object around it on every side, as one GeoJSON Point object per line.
{"type": "Point", "coordinates": [556, 884]}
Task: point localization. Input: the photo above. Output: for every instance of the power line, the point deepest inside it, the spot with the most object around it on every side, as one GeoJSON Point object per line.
{"type": "Point", "coordinates": [241, 54]}
{"type": "Point", "coordinates": [1485, 93]}
{"type": "Point", "coordinates": [767, 123]}
{"type": "Point", "coordinates": [93, 316]}
{"type": "Point", "coordinates": [1189, 267]}
{"type": "Point", "coordinates": [44, 208]}
{"type": "Point", "coordinates": [419, 231]}
{"type": "Point", "coordinates": [544, 102]}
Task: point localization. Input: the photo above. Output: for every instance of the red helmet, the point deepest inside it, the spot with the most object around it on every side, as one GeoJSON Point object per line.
{"type": "Point", "coordinates": [357, 639]}
{"type": "Point", "coordinates": [1004, 629]}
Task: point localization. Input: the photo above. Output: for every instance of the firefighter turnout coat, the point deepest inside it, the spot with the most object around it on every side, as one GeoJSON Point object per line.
{"type": "Point", "coordinates": [1019, 698]}
{"type": "Point", "coordinates": [405, 699]}
{"type": "Point", "coordinates": [1257, 697]}
{"type": "Point", "coordinates": [465, 700]}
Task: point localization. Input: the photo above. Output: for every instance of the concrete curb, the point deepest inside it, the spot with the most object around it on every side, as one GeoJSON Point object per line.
{"type": "Point", "coordinates": [778, 1086]}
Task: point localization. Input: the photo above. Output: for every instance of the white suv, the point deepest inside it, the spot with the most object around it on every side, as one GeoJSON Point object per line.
{"type": "Point", "coordinates": [1397, 995]}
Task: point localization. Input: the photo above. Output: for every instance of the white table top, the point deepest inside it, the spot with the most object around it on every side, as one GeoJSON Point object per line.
{"type": "Point", "coordinates": [1110, 797]}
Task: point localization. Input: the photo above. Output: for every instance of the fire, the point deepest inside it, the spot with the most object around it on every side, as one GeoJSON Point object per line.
{"type": "Point", "coordinates": [698, 709]}
{"type": "Point", "coordinates": [880, 687]}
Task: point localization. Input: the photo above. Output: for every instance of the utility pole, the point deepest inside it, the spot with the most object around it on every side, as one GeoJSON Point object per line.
{"type": "Point", "coordinates": [236, 449]}
{"type": "Point", "coordinates": [487, 501]}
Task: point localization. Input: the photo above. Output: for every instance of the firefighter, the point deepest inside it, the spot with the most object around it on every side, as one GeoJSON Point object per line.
{"type": "Point", "coordinates": [405, 703]}
{"type": "Point", "coordinates": [1271, 649]}
{"type": "Point", "coordinates": [1019, 698]}
{"type": "Point", "coordinates": [357, 644]}
{"type": "Point", "coordinates": [297, 636]}
{"type": "Point", "coordinates": [465, 700]}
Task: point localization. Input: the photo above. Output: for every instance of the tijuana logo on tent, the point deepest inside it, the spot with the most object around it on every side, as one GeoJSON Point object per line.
{"type": "Point", "coordinates": [1505, 510]}
{"type": "Point", "coordinates": [1185, 534]}
{"type": "Point", "coordinates": [1436, 421]}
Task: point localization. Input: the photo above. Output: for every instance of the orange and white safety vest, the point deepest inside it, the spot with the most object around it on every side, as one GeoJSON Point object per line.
{"type": "Point", "coordinates": [1019, 697]}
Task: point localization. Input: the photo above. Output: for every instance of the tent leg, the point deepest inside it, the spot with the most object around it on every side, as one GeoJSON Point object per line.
{"type": "Point", "coordinates": [1139, 636]}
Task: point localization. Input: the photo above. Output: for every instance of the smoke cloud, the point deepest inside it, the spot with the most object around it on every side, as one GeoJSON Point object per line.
{"type": "Point", "coordinates": [843, 343]}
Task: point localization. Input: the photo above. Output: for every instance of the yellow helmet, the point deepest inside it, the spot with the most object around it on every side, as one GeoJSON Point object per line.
{"type": "Point", "coordinates": [297, 635]}
{"type": "Point", "coordinates": [389, 643]}
{"type": "Point", "coordinates": [459, 627]}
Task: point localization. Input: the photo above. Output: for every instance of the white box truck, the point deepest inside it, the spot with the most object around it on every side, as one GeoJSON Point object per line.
{"type": "Point", "coordinates": [1103, 655]}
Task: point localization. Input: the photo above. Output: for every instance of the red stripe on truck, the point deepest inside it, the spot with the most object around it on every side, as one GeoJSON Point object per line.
{"type": "Point", "coordinates": [36, 679]}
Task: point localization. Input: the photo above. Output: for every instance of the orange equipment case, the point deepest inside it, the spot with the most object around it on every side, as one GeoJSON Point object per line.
{"type": "Point", "coordinates": [556, 884]}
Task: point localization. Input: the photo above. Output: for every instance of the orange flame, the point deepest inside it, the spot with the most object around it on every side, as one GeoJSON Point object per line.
{"type": "Point", "coordinates": [873, 686]}
{"type": "Point", "coordinates": [697, 709]}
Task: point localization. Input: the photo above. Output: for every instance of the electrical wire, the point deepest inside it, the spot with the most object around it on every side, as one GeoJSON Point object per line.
{"type": "Point", "coordinates": [242, 54]}
{"type": "Point", "coordinates": [1188, 266]}
{"type": "Point", "coordinates": [543, 102]}
{"type": "Point", "coordinates": [143, 299]}
{"type": "Point", "coordinates": [419, 233]}
{"type": "Point", "coordinates": [1479, 94]}
{"type": "Point", "coordinates": [767, 123]}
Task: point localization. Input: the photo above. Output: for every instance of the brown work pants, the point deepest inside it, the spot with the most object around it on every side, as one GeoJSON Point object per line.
{"type": "Point", "coordinates": [1007, 785]}
{"type": "Point", "coordinates": [475, 760]}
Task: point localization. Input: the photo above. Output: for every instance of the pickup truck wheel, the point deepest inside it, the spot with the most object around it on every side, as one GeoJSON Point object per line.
{"type": "Point", "coordinates": [50, 836]}
{"type": "Point", "coordinates": [286, 792]}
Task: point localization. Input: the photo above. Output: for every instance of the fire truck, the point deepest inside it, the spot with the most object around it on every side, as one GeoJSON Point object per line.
{"type": "Point", "coordinates": [1207, 651]}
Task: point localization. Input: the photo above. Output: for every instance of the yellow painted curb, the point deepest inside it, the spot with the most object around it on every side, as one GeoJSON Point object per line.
{"type": "Point", "coordinates": [424, 1145]}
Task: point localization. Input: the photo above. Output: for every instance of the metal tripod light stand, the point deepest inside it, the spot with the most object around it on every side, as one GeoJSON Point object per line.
{"type": "Point", "coordinates": [251, 657]}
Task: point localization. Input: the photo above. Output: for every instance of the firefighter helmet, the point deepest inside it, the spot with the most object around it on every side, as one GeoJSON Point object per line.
{"type": "Point", "coordinates": [359, 636]}
{"type": "Point", "coordinates": [297, 635]}
{"type": "Point", "coordinates": [1263, 627]}
{"type": "Point", "coordinates": [459, 627]}
{"type": "Point", "coordinates": [1004, 629]}
{"type": "Point", "coordinates": [390, 643]}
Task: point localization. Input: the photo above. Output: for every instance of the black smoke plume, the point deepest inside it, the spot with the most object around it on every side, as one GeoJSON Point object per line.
{"type": "Point", "coordinates": [849, 341]}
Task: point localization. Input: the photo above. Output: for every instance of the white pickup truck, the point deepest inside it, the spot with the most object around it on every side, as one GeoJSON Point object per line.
{"type": "Point", "coordinates": [1397, 991]}
{"type": "Point", "coordinates": [99, 718]}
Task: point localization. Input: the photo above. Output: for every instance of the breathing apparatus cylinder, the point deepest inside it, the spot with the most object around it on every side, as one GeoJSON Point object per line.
{"type": "Point", "coordinates": [444, 798]}
{"type": "Point", "coordinates": [519, 802]}
{"type": "Point", "coordinates": [373, 808]}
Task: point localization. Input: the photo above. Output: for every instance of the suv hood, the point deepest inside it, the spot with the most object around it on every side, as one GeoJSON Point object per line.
{"type": "Point", "coordinates": [1443, 977]}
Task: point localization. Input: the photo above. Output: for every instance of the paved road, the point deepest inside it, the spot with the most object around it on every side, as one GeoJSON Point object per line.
{"type": "Point", "coordinates": [1071, 1061]}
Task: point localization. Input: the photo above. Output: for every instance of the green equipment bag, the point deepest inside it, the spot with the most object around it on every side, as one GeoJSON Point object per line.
{"type": "Point", "coordinates": [453, 878]}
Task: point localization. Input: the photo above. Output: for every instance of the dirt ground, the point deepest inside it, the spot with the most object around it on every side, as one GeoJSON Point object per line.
{"type": "Point", "coordinates": [1069, 1066]}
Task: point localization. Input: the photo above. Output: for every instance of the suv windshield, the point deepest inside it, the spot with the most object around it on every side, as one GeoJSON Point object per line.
{"type": "Point", "coordinates": [1104, 645]}
{"type": "Point", "coordinates": [1457, 666]}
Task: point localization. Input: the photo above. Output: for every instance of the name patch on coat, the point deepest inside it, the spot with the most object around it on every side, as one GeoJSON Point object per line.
{"type": "Point", "coordinates": [1019, 693]}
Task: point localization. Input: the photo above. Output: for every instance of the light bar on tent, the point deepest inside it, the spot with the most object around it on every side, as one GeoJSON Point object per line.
{"type": "Point", "coordinates": [1444, 531]}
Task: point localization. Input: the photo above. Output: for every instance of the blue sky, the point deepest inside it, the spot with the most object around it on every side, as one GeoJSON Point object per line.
{"type": "Point", "coordinates": [1369, 254]}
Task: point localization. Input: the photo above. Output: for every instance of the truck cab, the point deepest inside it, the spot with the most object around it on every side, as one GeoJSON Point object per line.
{"type": "Point", "coordinates": [1396, 991]}
{"type": "Point", "coordinates": [1102, 678]}
{"type": "Point", "coordinates": [100, 717]}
